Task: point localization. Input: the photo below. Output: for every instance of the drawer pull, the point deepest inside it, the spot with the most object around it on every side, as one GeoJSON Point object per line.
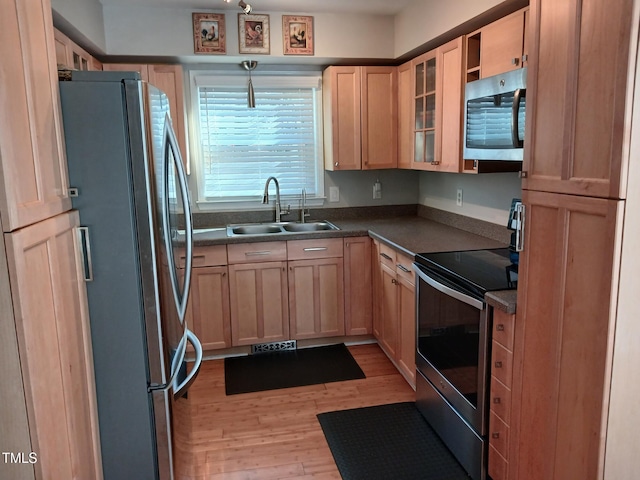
{"type": "Point", "coordinates": [497, 400]}
{"type": "Point", "coordinates": [385, 256]}
{"type": "Point", "coordinates": [403, 268]}
{"type": "Point", "coordinates": [314, 249]}
{"type": "Point", "coordinates": [500, 327]}
{"type": "Point", "coordinates": [497, 364]}
{"type": "Point", "coordinates": [253, 254]}
{"type": "Point", "coordinates": [495, 435]}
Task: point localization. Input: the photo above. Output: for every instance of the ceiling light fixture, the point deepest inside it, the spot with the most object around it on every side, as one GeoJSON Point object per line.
{"type": "Point", "coordinates": [250, 65]}
{"type": "Point", "coordinates": [246, 8]}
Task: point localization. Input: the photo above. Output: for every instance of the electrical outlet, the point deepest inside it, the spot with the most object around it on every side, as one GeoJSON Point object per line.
{"type": "Point", "coordinates": [459, 197]}
{"type": "Point", "coordinates": [377, 190]}
{"type": "Point", "coordinates": [334, 194]}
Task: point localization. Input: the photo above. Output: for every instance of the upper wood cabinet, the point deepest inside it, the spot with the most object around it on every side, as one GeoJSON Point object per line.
{"type": "Point", "coordinates": [405, 115]}
{"type": "Point", "coordinates": [360, 118]}
{"type": "Point", "coordinates": [169, 79]}
{"type": "Point", "coordinates": [498, 47]}
{"type": "Point", "coordinates": [33, 180]}
{"type": "Point", "coordinates": [578, 83]}
{"type": "Point", "coordinates": [52, 335]}
{"type": "Point", "coordinates": [71, 55]}
{"type": "Point", "coordinates": [437, 108]}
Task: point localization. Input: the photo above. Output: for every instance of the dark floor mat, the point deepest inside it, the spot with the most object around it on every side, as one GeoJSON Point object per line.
{"type": "Point", "coordinates": [388, 442]}
{"type": "Point", "coordinates": [296, 368]}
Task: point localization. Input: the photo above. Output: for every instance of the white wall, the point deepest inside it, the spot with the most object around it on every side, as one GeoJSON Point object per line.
{"type": "Point", "coordinates": [169, 32]}
{"type": "Point", "coordinates": [399, 187]}
{"type": "Point", "coordinates": [486, 196]}
{"type": "Point", "coordinates": [85, 16]}
{"type": "Point", "coordinates": [424, 20]}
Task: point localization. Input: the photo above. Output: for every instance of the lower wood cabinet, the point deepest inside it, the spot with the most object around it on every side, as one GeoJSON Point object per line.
{"type": "Point", "coordinates": [358, 316]}
{"type": "Point", "coordinates": [208, 311]}
{"type": "Point", "coordinates": [500, 393]}
{"type": "Point", "coordinates": [394, 321]}
{"type": "Point", "coordinates": [258, 292]}
{"type": "Point", "coordinates": [48, 388]}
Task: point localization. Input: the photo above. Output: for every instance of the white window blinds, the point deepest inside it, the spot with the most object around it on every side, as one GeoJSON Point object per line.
{"type": "Point", "coordinates": [241, 147]}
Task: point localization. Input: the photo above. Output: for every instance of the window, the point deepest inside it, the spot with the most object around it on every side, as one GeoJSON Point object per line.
{"type": "Point", "coordinates": [238, 147]}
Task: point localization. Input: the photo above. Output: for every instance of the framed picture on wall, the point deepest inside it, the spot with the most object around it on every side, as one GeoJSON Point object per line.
{"type": "Point", "coordinates": [209, 34]}
{"type": "Point", "coordinates": [253, 33]}
{"type": "Point", "coordinates": [297, 32]}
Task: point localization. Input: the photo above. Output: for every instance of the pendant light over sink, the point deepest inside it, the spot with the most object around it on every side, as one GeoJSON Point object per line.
{"type": "Point", "coordinates": [250, 65]}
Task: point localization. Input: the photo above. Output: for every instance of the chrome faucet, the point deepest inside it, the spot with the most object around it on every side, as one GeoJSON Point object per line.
{"type": "Point", "coordinates": [265, 198]}
{"type": "Point", "coordinates": [304, 214]}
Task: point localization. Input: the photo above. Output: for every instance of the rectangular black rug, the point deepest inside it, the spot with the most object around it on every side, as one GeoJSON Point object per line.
{"type": "Point", "coordinates": [388, 441]}
{"type": "Point", "coordinates": [285, 369]}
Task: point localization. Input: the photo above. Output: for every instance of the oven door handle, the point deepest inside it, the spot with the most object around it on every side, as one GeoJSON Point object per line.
{"type": "Point", "coordinates": [474, 302]}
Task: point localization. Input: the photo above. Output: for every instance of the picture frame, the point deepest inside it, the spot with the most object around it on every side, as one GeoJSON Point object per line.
{"type": "Point", "coordinates": [253, 34]}
{"type": "Point", "coordinates": [209, 33]}
{"type": "Point", "coordinates": [297, 33]}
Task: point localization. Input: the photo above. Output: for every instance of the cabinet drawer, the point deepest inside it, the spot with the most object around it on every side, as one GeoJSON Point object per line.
{"type": "Point", "coordinates": [404, 267]}
{"type": "Point", "coordinates": [497, 465]}
{"type": "Point", "coordinates": [318, 248]}
{"type": "Point", "coordinates": [387, 256]}
{"type": "Point", "coordinates": [500, 400]}
{"type": "Point", "coordinates": [257, 252]}
{"type": "Point", "coordinates": [501, 364]}
{"type": "Point", "coordinates": [503, 328]}
{"type": "Point", "coordinates": [498, 435]}
{"type": "Point", "coordinates": [210, 256]}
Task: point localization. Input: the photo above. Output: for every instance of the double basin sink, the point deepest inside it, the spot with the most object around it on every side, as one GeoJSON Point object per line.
{"type": "Point", "coordinates": [278, 228]}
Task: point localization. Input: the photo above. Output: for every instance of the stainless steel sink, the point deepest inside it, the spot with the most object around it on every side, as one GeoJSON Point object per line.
{"type": "Point", "coordinates": [309, 227]}
{"type": "Point", "coordinates": [279, 227]}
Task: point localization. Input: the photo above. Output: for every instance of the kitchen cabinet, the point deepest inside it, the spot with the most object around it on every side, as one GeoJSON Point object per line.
{"type": "Point", "coordinates": [258, 295]}
{"type": "Point", "coordinates": [169, 79]}
{"type": "Point", "coordinates": [405, 115]}
{"type": "Point", "coordinates": [570, 147]}
{"type": "Point", "coordinates": [437, 108]}
{"type": "Point", "coordinates": [358, 286]}
{"type": "Point", "coordinates": [498, 47]}
{"type": "Point", "coordinates": [208, 311]}
{"type": "Point", "coordinates": [316, 288]}
{"type": "Point", "coordinates": [70, 55]}
{"type": "Point", "coordinates": [500, 393]}
{"type": "Point", "coordinates": [395, 318]}
{"type": "Point", "coordinates": [32, 156]}
{"type": "Point", "coordinates": [48, 397]}
{"type": "Point", "coordinates": [360, 112]}
{"type": "Point", "coordinates": [574, 190]}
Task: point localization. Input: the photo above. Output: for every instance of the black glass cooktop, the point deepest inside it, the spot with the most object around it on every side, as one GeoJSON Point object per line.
{"type": "Point", "coordinates": [480, 270]}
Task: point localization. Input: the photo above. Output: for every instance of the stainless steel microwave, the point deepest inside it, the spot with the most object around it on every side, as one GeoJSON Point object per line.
{"type": "Point", "coordinates": [494, 117]}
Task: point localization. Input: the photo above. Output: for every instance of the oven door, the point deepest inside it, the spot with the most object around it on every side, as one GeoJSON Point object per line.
{"type": "Point", "coordinates": [453, 343]}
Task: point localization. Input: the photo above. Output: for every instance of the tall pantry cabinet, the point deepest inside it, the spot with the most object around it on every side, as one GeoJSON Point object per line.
{"type": "Point", "coordinates": [580, 80]}
{"type": "Point", "coordinates": [48, 419]}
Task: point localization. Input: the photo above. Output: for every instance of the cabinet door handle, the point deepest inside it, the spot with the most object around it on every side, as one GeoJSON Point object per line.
{"type": "Point", "coordinates": [314, 249]}
{"type": "Point", "coordinates": [85, 246]}
{"type": "Point", "coordinates": [497, 364]}
{"type": "Point", "coordinates": [394, 281]}
{"type": "Point", "coordinates": [384, 255]}
{"type": "Point", "coordinates": [515, 61]}
{"type": "Point", "coordinates": [497, 400]}
{"type": "Point", "coordinates": [495, 435]}
{"type": "Point", "coordinates": [403, 268]}
{"type": "Point", "coordinates": [500, 327]}
{"type": "Point", "coordinates": [253, 254]}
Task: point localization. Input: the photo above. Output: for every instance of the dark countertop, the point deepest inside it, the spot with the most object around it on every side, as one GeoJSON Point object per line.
{"type": "Point", "coordinates": [409, 235]}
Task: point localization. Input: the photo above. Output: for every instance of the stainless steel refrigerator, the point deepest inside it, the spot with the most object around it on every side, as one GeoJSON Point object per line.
{"type": "Point", "coordinates": [129, 185]}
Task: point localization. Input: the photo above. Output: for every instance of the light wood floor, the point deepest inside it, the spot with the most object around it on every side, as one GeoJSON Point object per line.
{"type": "Point", "coordinates": [273, 434]}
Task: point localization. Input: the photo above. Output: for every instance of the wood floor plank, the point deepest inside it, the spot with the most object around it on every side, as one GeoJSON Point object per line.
{"type": "Point", "coordinates": [273, 434]}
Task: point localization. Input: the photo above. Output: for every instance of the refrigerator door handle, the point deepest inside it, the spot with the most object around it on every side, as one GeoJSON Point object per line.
{"type": "Point", "coordinates": [171, 146]}
{"type": "Point", "coordinates": [179, 390]}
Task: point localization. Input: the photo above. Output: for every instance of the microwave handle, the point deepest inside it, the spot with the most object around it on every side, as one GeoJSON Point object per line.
{"type": "Point", "coordinates": [515, 110]}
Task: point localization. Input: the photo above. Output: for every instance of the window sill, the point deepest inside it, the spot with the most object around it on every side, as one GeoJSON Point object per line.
{"type": "Point", "coordinates": [256, 205]}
